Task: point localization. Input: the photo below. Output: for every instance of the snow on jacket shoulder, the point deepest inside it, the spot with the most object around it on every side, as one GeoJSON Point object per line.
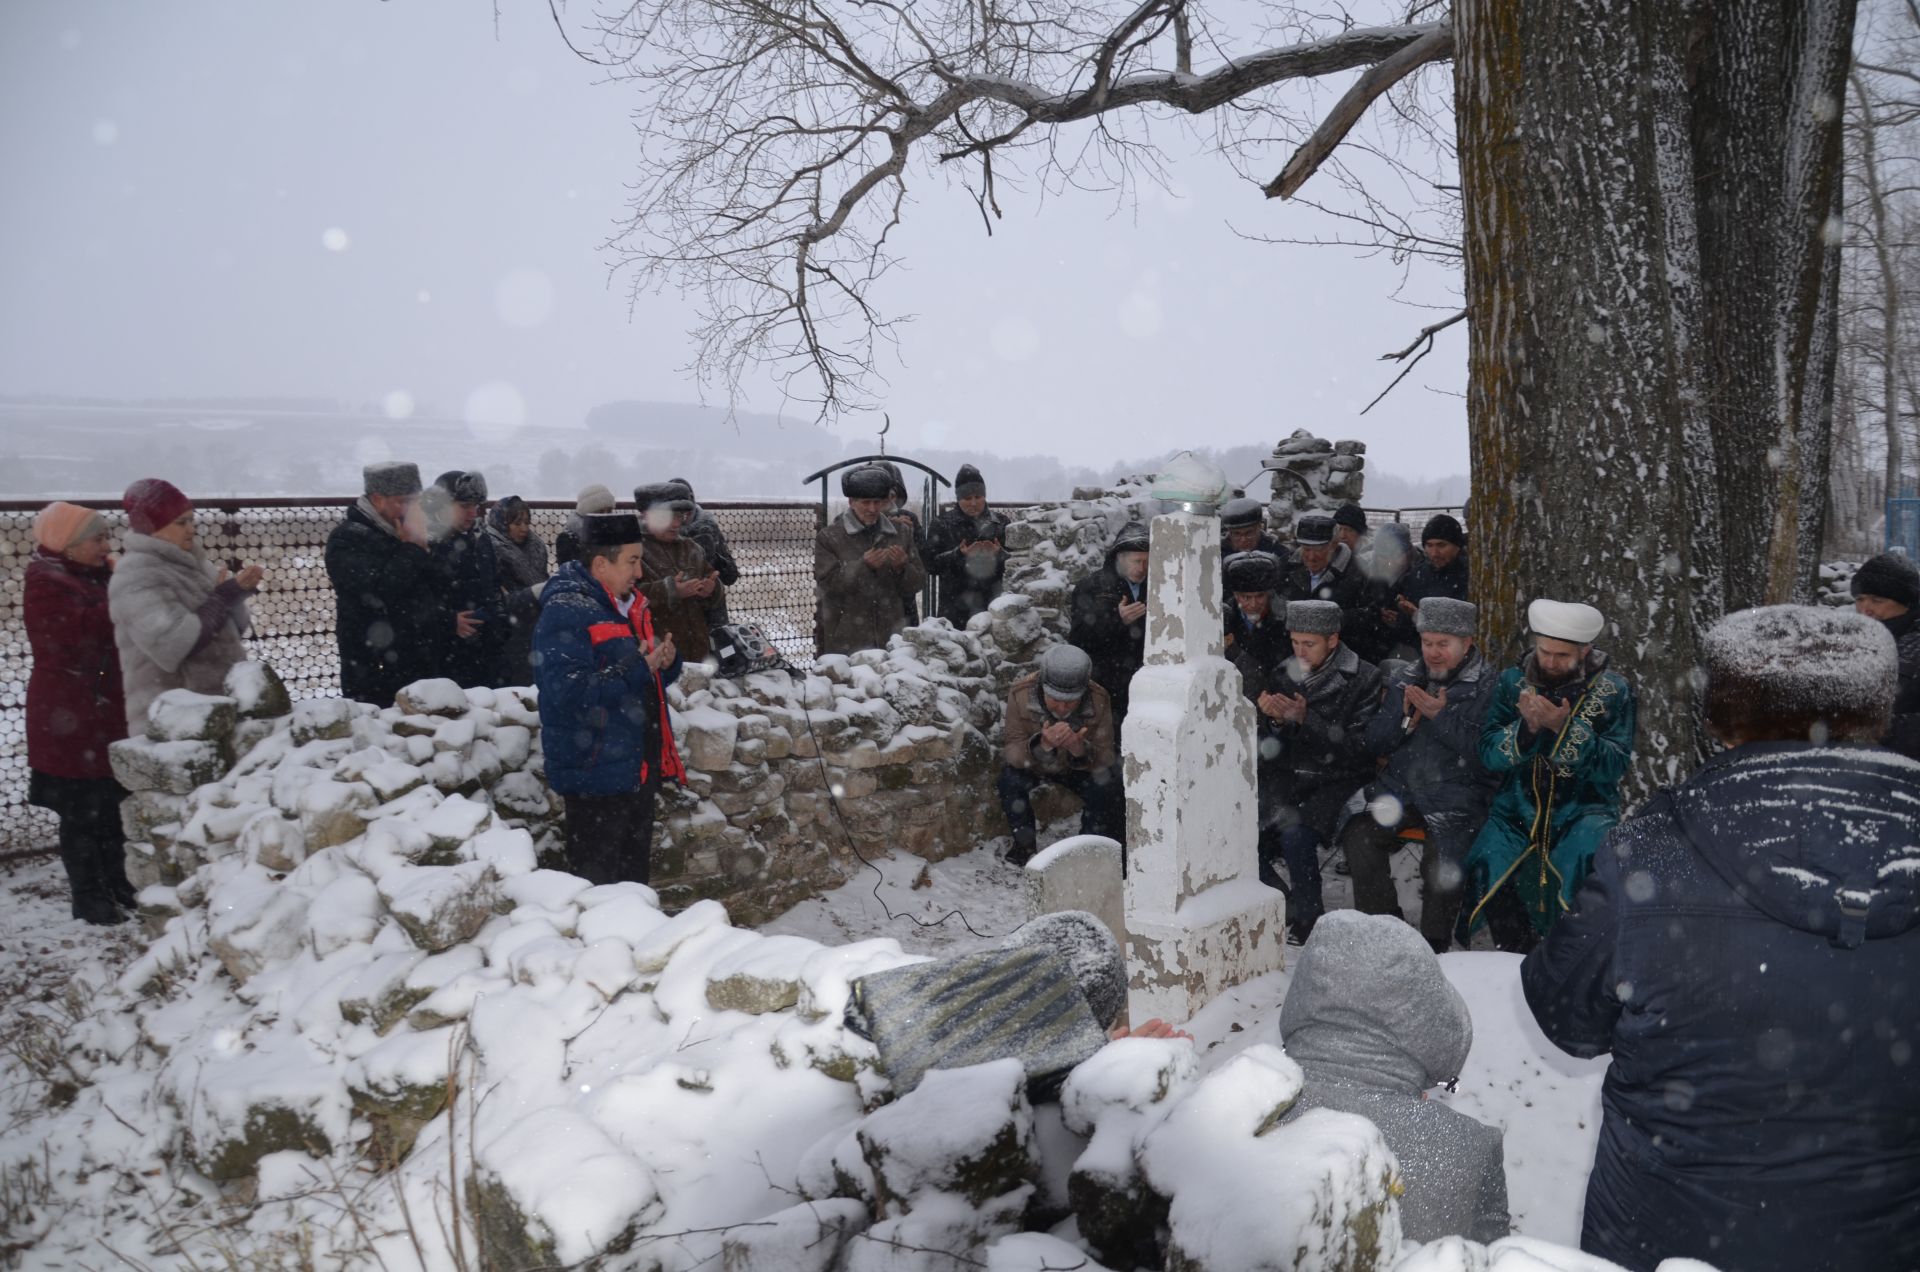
{"type": "Point", "coordinates": [1746, 950]}
{"type": "Point", "coordinates": [75, 705]}
{"type": "Point", "coordinates": [1373, 1022]}
{"type": "Point", "coordinates": [603, 711]}
{"type": "Point", "coordinates": [155, 601]}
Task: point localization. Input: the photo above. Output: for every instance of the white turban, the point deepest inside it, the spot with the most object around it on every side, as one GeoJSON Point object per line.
{"type": "Point", "coordinates": [1565, 620]}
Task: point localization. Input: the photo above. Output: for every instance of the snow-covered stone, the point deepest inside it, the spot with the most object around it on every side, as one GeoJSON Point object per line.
{"type": "Point", "coordinates": [809, 1237]}
{"type": "Point", "coordinates": [439, 697]}
{"type": "Point", "coordinates": [441, 906]}
{"type": "Point", "coordinates": [141, 764]}
{"type": "Point", "coordinates": [967, 1132]}
{"type": "Point", "coordinates": [181, 715]}
{"type": "Point", "coordinates": [333, 812]}
{"type": "Point", "coordinates": [761, 979]}
{"type": "Point", "coordinates": [257, 691]}
{"type": "Point", "coordinates": [321, 719]}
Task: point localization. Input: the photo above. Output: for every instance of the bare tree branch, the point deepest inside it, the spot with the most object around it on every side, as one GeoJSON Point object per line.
{"type": "Point", "coordinates": [1435, 46]}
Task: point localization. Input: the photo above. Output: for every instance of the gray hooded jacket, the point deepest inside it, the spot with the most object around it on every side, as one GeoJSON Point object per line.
{"type": "Point", "coordinates": [1373, 1023]}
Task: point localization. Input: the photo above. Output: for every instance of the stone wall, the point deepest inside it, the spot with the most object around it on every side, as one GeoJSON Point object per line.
{"type": "Point", "coordinates": [905, 740]}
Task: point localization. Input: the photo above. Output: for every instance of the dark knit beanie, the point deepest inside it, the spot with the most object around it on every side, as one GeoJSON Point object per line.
{"type": "Point", "coordinates": [1442, 526]}
{"type": "Point", "coordinates": [968, 482]}
{"type": "Point", "coordinates": [152, 503]}
{"type": "Point", "coordinates": [1889, 576]}
{"type": "Point", "coordinates": [1350, 516]}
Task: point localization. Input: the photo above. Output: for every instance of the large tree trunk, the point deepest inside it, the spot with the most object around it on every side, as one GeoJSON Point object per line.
{"type": "Point", "coordinates": [1651, 312]}
{"type": "Point", "coordinates": [1593, 462]}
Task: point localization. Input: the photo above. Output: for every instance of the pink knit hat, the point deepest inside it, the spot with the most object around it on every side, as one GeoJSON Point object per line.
{"type": "Point", "coordinates": [153, 502]}
{"type": "Point", "coordinates": [61, 525]}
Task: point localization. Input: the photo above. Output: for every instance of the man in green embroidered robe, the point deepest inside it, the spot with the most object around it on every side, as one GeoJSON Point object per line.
{"type": "Point", "coordinates": [1559, 735]}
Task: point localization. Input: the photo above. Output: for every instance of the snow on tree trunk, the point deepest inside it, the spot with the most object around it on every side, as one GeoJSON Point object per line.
{"type": "Point", "coordinates": [1651, 285]}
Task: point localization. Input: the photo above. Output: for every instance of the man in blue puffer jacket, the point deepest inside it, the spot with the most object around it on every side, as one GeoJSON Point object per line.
{"type": "Point", "coordinates": [603, 681]}
{"type": "Point", "coordinates": [1748, 950]}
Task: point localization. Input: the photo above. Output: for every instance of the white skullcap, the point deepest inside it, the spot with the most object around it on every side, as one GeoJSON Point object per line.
{"type": "Point", "coordinates": [1565, 620]}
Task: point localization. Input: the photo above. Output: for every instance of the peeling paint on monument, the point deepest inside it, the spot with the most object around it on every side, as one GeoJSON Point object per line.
{"type": "Point", "coordinates": [1198, 922]}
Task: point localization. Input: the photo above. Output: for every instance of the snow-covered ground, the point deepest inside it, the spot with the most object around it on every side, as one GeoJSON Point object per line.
{"type": "Point", "coordinates": [1546, 1104]}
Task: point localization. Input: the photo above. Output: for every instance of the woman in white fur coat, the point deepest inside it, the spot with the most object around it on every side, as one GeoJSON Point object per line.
{"type": "Point", "coordinates": [177, 617]}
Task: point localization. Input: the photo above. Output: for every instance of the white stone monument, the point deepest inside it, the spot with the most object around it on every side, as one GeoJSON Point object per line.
{"type": "Point", "coordinates": [1198, 919]}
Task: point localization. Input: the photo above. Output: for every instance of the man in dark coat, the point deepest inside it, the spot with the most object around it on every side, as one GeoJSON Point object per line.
{"type": "Point", "coordinates": [1322, 570]}
{"type": "Point", "coordinates": [1428, 731]}
{"type": "Point", "coordinates": [1256, 622]}
{"type": "Point", "coordinates": [1110, 615]}
{"type": "Point", "coordinates": [1380, 628]}
{"type": "Point", "coordinates": [1059, 731]}
{"type": "Point", "coordinates": [1312, 753]}
{"type": "Point", "coordinates": [391, 620]}
{"type": "Point", "coordinates": [453, 506]}
{"type": "Point", "coordinates": [1243, 528]}
{"type": "Point", "coordinates": [1442, 571]}
{"type": "Point", "coordinates": [603, 678]}
{"type": "Point", "coordinates": [866, 568]}
{"type": "Point", "coordinates": [678, 579]}
{"type": "Point", "coordinates": [1887, 588]}
{"type": "Point", "coordinates": [521, 557]}
{"type": "Point", "coordinates": [1746, 950]}
{"type": "Point", "coordinates": [966, 550]}
{"type": "Point", "coordinates": [902, 514]}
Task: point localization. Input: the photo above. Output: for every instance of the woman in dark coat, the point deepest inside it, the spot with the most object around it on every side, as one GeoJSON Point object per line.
{"type": "Point", "coordinates": [75, 705]}
{"type": "Point", "coordinates": [1747, 949]}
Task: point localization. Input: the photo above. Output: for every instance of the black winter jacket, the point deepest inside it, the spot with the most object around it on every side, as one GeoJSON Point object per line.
{"type": "Point", "coordinates": [1436, 768]}
{"type": "Point", "coordinates": [704, 529]}
{"type": "Point", "coordinates": [1746, 950]}
{"type": "Point", "coordinates": [390, 617]}
{"type": "Point", "coordinates": [1326, 755]}
{"type": "Point", "coordinates": [1904, 736]}
{"type": "Point", "coordinates": [472, 583]}
{"type": "Point", "coordinates": [1371, 636]}
{"type": "Point", "coordinates": [1117, 648]}
{"type": "Point", "coordinates": [1423, 580]}
{"type": "Point", "coordinates": [1258, 650]}
{"type": "Point", "coordinates": [968, 584]}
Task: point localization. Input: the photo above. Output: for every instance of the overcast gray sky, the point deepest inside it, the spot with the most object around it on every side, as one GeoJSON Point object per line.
{"type": "Point", "coordinates": [354, 200]}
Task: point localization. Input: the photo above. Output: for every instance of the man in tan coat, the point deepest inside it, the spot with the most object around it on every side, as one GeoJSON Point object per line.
{"type": "Point", "coordinates": [1059, 729]}
{"type": "Point", "coordinates": [680, 584]}
{"type": "Point", "coordinates": [864, 568]}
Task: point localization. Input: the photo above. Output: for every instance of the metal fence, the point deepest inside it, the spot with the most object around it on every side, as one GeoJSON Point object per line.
{"type": "Point", "coordinates": [293, 615]}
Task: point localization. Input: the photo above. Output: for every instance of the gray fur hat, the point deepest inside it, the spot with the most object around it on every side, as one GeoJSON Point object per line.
{"type": "Point", "coordinates": [867, 481]}
{"type": "Point", "coordinates": [1313, 618]}
{"type": "Point", "coordinates": [1242, 512]}
{"type": "Point", "coordinates": [391, 477]}
{"type": "Point", "coordinates": [1065, 671]}
{"type": "Point", "coordinates": [1445, 616]}
{"type": "Point", "coordinates": [1088, 948]}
